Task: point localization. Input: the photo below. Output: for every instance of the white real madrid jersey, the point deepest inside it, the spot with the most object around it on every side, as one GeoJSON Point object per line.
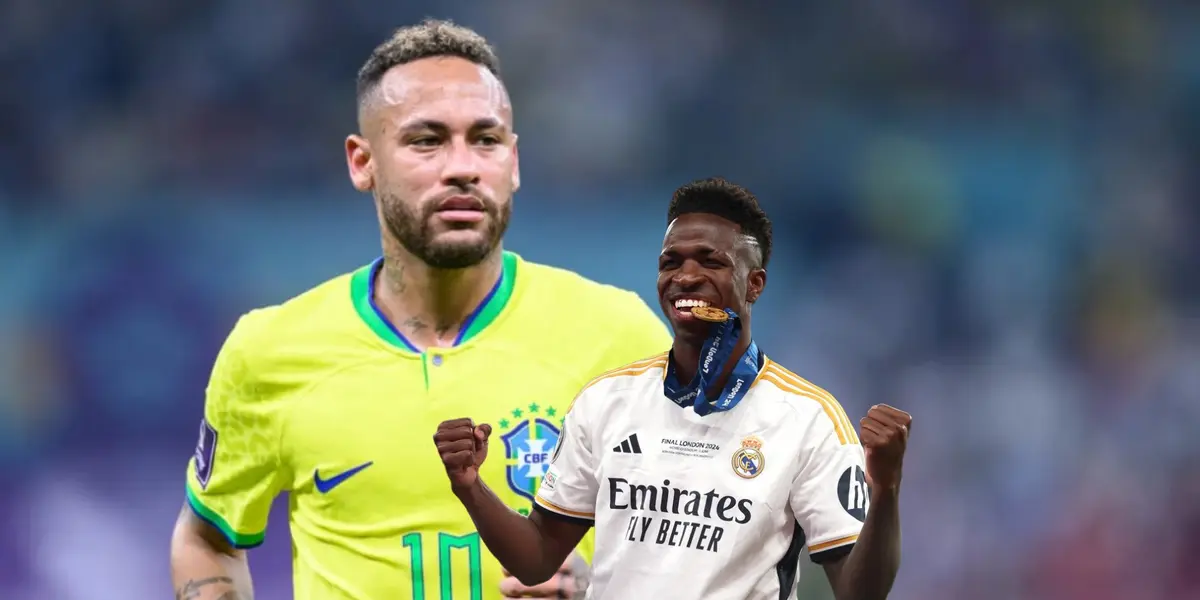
{"type": "Point", "coordinates": [714, 507]}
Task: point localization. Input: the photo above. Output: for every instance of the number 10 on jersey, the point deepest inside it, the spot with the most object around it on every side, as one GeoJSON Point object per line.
{"type": "Point", "coordinates": [446, 546]}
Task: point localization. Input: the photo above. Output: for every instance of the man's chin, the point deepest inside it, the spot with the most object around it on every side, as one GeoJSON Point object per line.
{"type": "Point", "coordinates": [458, 255]}
{"type": "Point", "coordinates": [692, 331]}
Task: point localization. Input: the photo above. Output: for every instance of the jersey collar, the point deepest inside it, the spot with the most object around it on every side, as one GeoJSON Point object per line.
{"type": "Point", "coordinates": [362, 293]}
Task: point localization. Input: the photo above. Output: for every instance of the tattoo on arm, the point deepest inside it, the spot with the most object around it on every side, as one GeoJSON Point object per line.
{"type": "Point", "coordinates": [193, 588]}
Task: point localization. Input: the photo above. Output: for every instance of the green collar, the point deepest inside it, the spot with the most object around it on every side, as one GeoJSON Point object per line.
{"type": "Point", "coordinates": [362, 294]}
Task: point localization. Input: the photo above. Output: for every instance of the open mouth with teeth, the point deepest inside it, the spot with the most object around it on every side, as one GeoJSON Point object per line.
{"type": "Point", "coordinates": [683, 308]}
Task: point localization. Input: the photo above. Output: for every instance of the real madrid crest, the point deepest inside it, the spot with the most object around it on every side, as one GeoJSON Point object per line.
{"type": "Point", "coordinates": [748, 461]}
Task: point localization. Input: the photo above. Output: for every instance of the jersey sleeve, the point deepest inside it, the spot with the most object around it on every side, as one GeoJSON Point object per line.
{"type": "Point", "coordinates": [829, 495]}
{"type": "Point", "coordinates": [236, 471]}
{"type": "Point", "coordinates": [569, 488]}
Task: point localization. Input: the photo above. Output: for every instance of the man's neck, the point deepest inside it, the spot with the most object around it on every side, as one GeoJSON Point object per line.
{"type": "Point", "coordinates": [429, 305]}
{"type": "Point", "coordinates": [685, 355]}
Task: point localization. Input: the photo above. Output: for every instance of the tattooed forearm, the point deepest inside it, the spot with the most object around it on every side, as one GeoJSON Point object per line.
{"type": "Point", "coordinates": [193, 588]}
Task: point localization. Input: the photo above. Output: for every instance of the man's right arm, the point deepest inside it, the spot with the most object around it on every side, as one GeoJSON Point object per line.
{"type": "Point", "coordinates": [531, 548]}
{"type": "Point", "coordinates": [231, 481]}
{"type": "Point", "coordinates": [204, 565]}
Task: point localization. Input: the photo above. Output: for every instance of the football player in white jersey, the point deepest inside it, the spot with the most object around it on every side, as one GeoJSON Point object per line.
{"type": "Point", "coordinates": [705, 470]}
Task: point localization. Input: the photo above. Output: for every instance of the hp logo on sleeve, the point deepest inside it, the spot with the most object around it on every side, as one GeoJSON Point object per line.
{"type": "Point", "coordinates": [853, 493]}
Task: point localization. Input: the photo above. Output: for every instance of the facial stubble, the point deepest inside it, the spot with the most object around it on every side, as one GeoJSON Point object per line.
{"type": "Point", "coordinates": [413, 228]}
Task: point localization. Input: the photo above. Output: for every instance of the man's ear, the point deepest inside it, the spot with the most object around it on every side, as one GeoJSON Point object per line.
{"type": "Point", "coordinates": [358, 160]}
{"type": "Point", "coordinates": [516, 172]}
{"type": "Point", "coordinates": [755, 283]}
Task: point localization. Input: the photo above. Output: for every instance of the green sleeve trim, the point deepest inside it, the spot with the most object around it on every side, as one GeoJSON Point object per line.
{"type": "Point", "coordinates": [240, 541]}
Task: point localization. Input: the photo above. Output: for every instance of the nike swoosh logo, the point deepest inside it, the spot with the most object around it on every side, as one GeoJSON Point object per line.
{"type": "Point", "coordinates": [326, 485]}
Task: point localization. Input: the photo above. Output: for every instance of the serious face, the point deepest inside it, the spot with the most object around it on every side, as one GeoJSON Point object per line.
{"type": "Point", "coordinates": [706, 261]}
{"type": "Point", "coordinates": [439, 154]}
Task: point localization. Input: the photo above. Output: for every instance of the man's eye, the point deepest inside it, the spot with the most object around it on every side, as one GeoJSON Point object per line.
{"type": "Point", "coordinates": [489, 140]}
{"type": "Point", "coordinates": [424, 141]}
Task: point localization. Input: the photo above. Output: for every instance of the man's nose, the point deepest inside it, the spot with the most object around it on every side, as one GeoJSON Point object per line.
{"type": "Point", "coordinates": [689, 276]}
{"type": "Point", "coordinates": [462, 166]}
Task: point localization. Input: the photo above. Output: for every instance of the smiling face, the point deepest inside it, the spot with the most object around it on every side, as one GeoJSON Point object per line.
{"type": "Point", "coordinates": [706, 260]}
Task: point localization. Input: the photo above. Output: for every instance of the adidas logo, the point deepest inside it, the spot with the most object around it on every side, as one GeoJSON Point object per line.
{"type": "Point", "coordinates": [629, 445]}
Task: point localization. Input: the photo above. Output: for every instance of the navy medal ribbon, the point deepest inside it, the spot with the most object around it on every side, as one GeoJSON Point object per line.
{"type": "Point", "coordinates": [713, 355]}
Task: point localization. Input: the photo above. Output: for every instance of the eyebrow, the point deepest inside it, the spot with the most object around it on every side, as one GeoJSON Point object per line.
{"type": "Point", "coordinates": [440, 127]}
{"type": "Point", "coordinates": [700, 249]}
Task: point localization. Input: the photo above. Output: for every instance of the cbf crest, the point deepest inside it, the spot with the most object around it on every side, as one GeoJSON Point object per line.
{"type": "Point", "coordinates": [748, 461]}
{"type": "Point", "coordinates": [530, 436]}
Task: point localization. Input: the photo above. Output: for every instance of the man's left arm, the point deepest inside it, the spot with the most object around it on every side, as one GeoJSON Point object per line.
{"type": "Point", "coordinates": [868, 571]}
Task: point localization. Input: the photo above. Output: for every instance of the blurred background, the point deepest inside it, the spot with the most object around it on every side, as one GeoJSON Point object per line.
{"type": "Point", "coordinates": [987, 213]}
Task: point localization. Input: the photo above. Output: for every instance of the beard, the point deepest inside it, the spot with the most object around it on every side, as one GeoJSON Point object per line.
{"type": "Point", "coordinates": [412, 227]}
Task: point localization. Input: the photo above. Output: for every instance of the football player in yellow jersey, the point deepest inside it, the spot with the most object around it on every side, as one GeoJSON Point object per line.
{"type": "Point", "coordinates": [331, 395]}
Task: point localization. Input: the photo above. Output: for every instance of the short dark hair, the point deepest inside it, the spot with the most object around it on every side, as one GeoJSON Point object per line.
{"type": "Point", "coordinates": [430, 38]}
{"type": "Point", "coordinates": [728, 200]}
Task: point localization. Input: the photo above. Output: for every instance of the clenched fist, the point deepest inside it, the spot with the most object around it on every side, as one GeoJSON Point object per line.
{"type": "Point", "coordinates": [884, 435]}
{"type": "Point", "coordinates": [463, 447]}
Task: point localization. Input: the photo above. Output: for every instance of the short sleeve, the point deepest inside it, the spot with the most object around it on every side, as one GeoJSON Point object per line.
{"type": "Point", "coordinates": [829, 496]}
{"type": "Point", "coordinates": [569, 488]}
{"type": "Point", "coordinates": [642, 334]}
{"type": "Point", "coordinates": [236, 471]}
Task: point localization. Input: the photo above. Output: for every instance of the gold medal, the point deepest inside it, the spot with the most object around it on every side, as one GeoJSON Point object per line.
{"type": "Point", "coordinates": [710, 314]}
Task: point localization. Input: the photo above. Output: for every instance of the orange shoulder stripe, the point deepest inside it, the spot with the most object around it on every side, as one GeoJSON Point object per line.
{"type": "Point", "coordinates": [548, 505]}
{"type": "Point", "coordinates": [633, 368]}
{"type": "Point", "coordinates": [790, 382]}
{"type": "Point", "coordinates": [842, 541]}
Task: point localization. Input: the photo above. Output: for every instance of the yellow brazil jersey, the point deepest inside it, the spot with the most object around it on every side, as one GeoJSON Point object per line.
{"type": "Point", "coordinates": [322, 398]}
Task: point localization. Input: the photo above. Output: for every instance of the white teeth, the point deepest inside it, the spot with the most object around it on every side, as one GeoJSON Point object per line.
{"type": "Point", "coordinates": [689, 303]}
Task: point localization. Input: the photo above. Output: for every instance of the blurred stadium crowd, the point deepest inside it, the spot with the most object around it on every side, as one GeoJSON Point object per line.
{"type": "Point", "coordinates": [987, 213]}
